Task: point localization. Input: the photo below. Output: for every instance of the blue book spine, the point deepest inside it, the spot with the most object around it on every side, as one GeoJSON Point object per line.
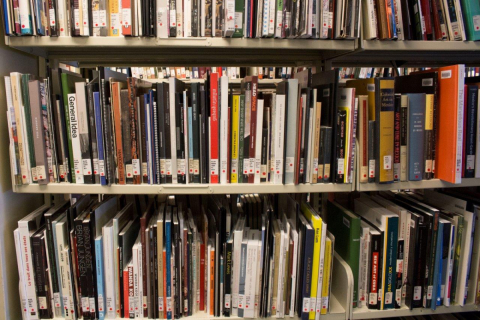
{"type": "Point", "coordinates": [57, 262]}
{"type": "Point", "coordinates": [416, 132]}
{"type": "Point", "coordinates": [391, 263]}
{"type": "Point", "coordinates": [394, 24]}
{"type": "Point", "coordinates": [98, 126]}
{"type": "Point", "coordinates": [243, 275]}
{"type": "Point", "coordinates": [190, 139]}
{"type": "Point", "coordinates": [168, 253]}
{"type": "Point", "coordinates": [437, 280]}
{"type": "Point", "coordinates": [26, 26]}
{"type": "Point", "coordinates": [6, 18]}
{"type": "Point", "coordinates": [307, 273]}
{"type": "Point", "coordinates": [153, 118]}
{"type": "Point", "coordinates": [100, 280]}
{"type": "Point", "coordinates": [40, 28]}
{"type": "Point", "coordinates": [147, 136]}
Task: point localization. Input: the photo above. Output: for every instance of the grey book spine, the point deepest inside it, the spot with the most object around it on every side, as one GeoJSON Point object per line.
{"type": "Point", "coordinates": [92, 129]}
{"type": "Point", "coordinates": [36, 89]}
{"type": "Point", "coordinates": [291, 134]}
{"type": "Point", "coordinates": [241, 284]}
{"type": "Point", "coordinates": [126, 133]}
{"type": "Point", "coordinates": [371, 151]}
{"type": "Point", "coordinates": [416, 133]}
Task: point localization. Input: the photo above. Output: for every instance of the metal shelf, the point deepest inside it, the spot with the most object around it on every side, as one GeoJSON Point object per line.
{"type": "Point", "coordinates": [182, 189]}
{"type": "Point", "coordinates": [119, 51]}
{"type": "Point", "coordinates": [365, 313]}
{"type": "Point", "coordinates": [424, 184]}
{"type": "Point", "coordinates": [375, 53]}
{"type": "Point", "coordinates": [230, 81]}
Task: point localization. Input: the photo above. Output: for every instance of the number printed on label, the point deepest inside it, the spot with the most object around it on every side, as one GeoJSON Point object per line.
{"type": "Point", "coordinates": [388, 297]}
{"type": "Point", "coordinates": [87, 167]}
{"type": "Point", "coordinates": [387, 162]}
{"type": "Point", "coordinates": [341, 166]}
{"type": "Point", "coordinates": [417, 293]}
{"type": "Point", "coordinates": [290, 162]}
{"type": "Point", "coordinates": [306, 304]}
{"type": "Point", "coordinates": [41, 173]}
{"type": "Point", "coordinates": [429, 292]}
{"type": "Point", "coordinates": [136, 167]}
{"type": "Point", "coordinates": [246, 164]}
{"type": "Point", "coordinates": [313, 302]}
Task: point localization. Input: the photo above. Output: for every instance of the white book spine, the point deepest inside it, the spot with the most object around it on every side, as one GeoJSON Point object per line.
{"type": "Point", "coordinates": [27, 260]}
{"type": "Point", "coordinates": [271, 17]}
{"type": "Point", "coordinates": [258, 142]}
{"type": "Point", "coordinates": [265, 20]}
{"type": "Point", "coordinates": [229, 25]}
{"type": "Point", "coordinates": [162, 20]}
{"type": "Point", "coordinates": [308, 156]}
{"type": "Point", "coordinates": [249, 310]}
{"type": "Point", "coordinates": [187, 17]}
{"type": "Point", "coordinates": [318, 305]}
{"type": "Point", "coordinates": [136, 282]}
{"type": "Point", "coordinates": [12, 125]}
{"type": "Point", "coordinates": [65, 283]}
{"type": "Point", "coordinates": [278, 23]}
{"type": "Point", "coordinates": [85, 20]}
{"type": "Point", "coordinates": [25, 15]}
{"type": "Point", "coordinates": [406, 251]}
{"type": "Point", "coordinates": [460, 295]}
{"type": "Point", "coordinates": [279, 138]}
{"type": "Point", "coordinates": [172, 164]}
{"type": "Point", "coordinates": [21, 275]}
{"type": "Point", "coordinates": [224, 129]}
{"type": "Point", "coordinates": [450, 257]}
{"type": "Point", "coordinates": [75, 136]}
{"type": "Point", "coordinates": [460, 115]}
{"type": "Point", "coordinates": [108, 252]}
{"type": "Point", "coordinates": [281, 269]}
{"type": "Point", "coordinates": [237, 248]}
{"type": "Point", "coordinates": [258, 285]}
{"type": "Point", "coordinates": [208, 278]}
{"type": "Point", "coordinates": [32, 171]}
{"type": "Point", "coordinates": [461, 26]}
{"type": "Point", "coordinates": [293, 296]}
{"type": "Point", "coordinates": [148, 168]}
{"type": "Point", "coordinates": [272, 138]}
{"type": "Point", "coordinates": [202, 18]}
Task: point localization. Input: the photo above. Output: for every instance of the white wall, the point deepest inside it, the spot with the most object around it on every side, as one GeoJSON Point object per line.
{"type": "Point", "coordinates": [12, 206]}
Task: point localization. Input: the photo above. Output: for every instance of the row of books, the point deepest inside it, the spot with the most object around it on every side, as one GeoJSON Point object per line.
{"type": "Point", "coordinates": [411, 250]}
{"type": "Point", "coordinates": [248, 256]}
{"type": "Point", "coordinates": [190, 73]}
{"type": "Point", "coordinates": [453, 20]}
{"type": "Point", "coordinates": [365, 73]}
{"type": "Point", "coordinates": [118, 129]}
{"type": "Point", "coordinates": [418, 127]}
{"type": "Point", "coordinates": [319, 19]}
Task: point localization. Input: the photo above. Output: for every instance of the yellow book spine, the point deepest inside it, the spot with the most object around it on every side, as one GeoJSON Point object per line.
{"type": "Point", "coordinates": [326, 276]}
{"type": "Point", "coordinates": [429, 166]}
{"type": "Point", "coordinates": [235, 120]}
{"type": "Point", "coordinates": [387, 119]}
{"type": "Point", "coordinates": [114, 18]}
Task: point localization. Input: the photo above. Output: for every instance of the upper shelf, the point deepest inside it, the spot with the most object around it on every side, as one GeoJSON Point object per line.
{"type": "Point", "coordinates": [375, 53]}
{"type": "Point", "coordinates": [113, 51]}
{"type": "Point", "coordinates": [424, 184]}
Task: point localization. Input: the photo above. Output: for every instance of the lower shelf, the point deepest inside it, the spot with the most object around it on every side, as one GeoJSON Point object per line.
{"type": "Point", "coordinates": [424, 184]}
{"type": "Point", "coordinates": [182, 188]}
{"type": "Point", "coordinates": [365, 313]}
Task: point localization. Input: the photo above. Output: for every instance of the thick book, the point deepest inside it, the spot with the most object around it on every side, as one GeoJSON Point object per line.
{"type": "Point", "coordinates": [345, 226]}
{"type": "Point", "coordinates": [303, 308]}
{"type": "Point", "coordinates": [471, 11]}
{"type": "Point", "coordinates": [214, 128]}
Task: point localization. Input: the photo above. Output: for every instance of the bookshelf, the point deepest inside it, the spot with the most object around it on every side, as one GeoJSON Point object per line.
{"type": "Point", "coordinates": [424, 184]}
{"type": "Point", "coordinates": [364, 313]}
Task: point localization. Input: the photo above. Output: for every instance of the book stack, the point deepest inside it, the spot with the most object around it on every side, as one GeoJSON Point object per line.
{"type": "Point", "coordinates": [418, 127]}
{"type": "Point", "coordinates": [143, 258]}
{"type": "Point", "coordinates": [318, 19]}
{"type": "Point", "coordinates": [453, 20]}
{"type": "Point", "coordinates": [116, 129]}
{"type": "Point", "coordinates": [409, 250]}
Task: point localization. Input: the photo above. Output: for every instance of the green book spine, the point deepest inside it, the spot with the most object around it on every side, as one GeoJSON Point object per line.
{"type": "Point", "coordinates": [241, 133]}
{"type": "Point", "coordinates": [28, 119]}
{"type": "Point", "coordinates": [239, 12]}
{"type": "Point", "coordinates": [471, 11]}
{"type": "Point", "coordinates": [66, 89]}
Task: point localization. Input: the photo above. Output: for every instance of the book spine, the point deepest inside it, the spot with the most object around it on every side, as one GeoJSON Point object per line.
{"type": "Point", "coordinates": [75, 136]}
{"type": "Point", "coordinates": [253, 129]}
{"type": "Point", "coordinates": [384, 129]}
{"type": "Point", "coordinates": [82, 267]}
{"type": "Point", "coordinates": [92, 133]}
{"type": "Point", "coordinates": [196, 133]}
{"type": "Point", "coordinates": [117, 116]}
{"type": "Point", "coordinates": [41, 284]}
{"type": "Point", "coordinates": [396, 147]}
{"type": "Point", "coordinates": [341, 122]}
{"type": "Point", "coordinates": [99, 136]}
{"type": "Point", "coordinates": [416, 131]}
{"type": "Point", "coordinates": [235, 138]}
{"type": "Point", "coordinates": [168, 246]}
{"type": "Point", "coordinates": [375, 272]}
{"type": "Point", "coordinates": [327, 155]}
{"type": "Point", "coordinates": [145, 126]}
{"type": "Point", "coordinates": [404, 138]}
{"type": "Point", "coordinates": [228, 278]}
{"type": "Point", "coordinates": [431, 267]}
{"type": "Point", "coordinates": [99, 277]}
{"type": "Point", "coordinates": [241, 139]}
{"type": "Point", "coordinates": [155, 138]}
{"type": "Point", "coordinates": [134, 121]}
{"type": "Point", "coordinates": [427, 19]}
{"type": "Point", "coordinates": [214, 128]}
{"type": "Point", "coordinates": [307, 274]}
{"type": "Point", "coordinates": [224, 128]}
{"type": "Point", "coordinates": [470, 147]}
{"type": "Point", "coordinates": [126, 305]}
{"type": "Point", "coordinates": [428, 137]}
{"type": "Point", "coordinates": [90, 266]}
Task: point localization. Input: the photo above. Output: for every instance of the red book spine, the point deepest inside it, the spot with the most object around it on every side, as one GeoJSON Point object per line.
{"type": "Point", "coordinates": [253, 130]}
{"type": "Point", "coordinates": [125, 292]}
{"type": "Point", "coordinates": [126, 17]}
{"type": "Point", "coordinates": [131, 311]}
{"type": "Point", "coordinates": [16, 8]}
{"type": "Point", "coordinates": [214, 128]}
{"type": "Point", "coordinates": [202, 277]}
{"type": "Point", "coordinates": [427, 18]}
{"type": "Point", "coordinates": [211, 278]}
{"type": "Point", "coordinates": [436, 20]}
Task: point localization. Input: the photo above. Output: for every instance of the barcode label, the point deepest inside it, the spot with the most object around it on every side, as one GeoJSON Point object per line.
{"type": "Point", "coordinates": [263, 170]}
{"type": "Point", "coordinates": [429, 292]}
{"type": "Point", "coordinates": [447, 74]}
{"type": "Point", "coordinates": [162, 166]}
{"type": "Point", "coordinates": [168, 167]}
{"type": "Point", "coordinates": [470, 162]}
{"type": "Point", "coordinates": [427, 82]}
{"type": "Point", "coordinates": [306, 304]}
{"type": "Point", "coordinates": [96, 18]}
{"type": "Point", "coordinates": [181, 167]}
{"type": "Point", "coordinates": [77, 166]}
{"type": "Point", "coordinates": [278, 166]}
{"type": "Point", "coordinates": [101, 167]}
{"type": "Point", "coordinates": [227, 301]}
{"type": "Point", "coordinates": [246, 163]}
{"type": "Point", "coordinates": [52, 17]}
{"type": "Point", "coordinates": [76, 18]}
{"type": "Point", "coordinates": [372, 298]}
{"type": "Point", "coordinates": [290, 164]}
{"type": "Point", "coordinates": [95, 166]}
{"type": "Point", "coordinates": [398, 296]}
{"type": "Point", "coordinates": [126, 17]}
{"type": "Point", "coordinates": [173, 20]}
{"type": "Point", "coordinates": [341, 166]}
{"type": "Point", "coordinates": [85, 305]}
{"type": "Point", "coordinates": [50, 164]}
{"type": "Point", "coordinates": [324, 303]}
{"type": "Point", "coordinates": [224, 166]}
{"type": "Point", "coordinates": [313, 302]}
{"type": "Point", "coordinates": [87, 167]}
{"type": "Point", "coordinates": [388, 297]}
{"type": "Point", "coordinates": [136, 167]}
{"type": "Point", "coordinates": [371, 87]}
{"type": "Point", "coordinates": [100, 303]}
{"type": "Point", "coordinates": [315, 165]}
{"type": "Point", "coordinates": [129, 170]}
{"type": "Point", "coordinates": [251, 165]}
{"type": "Point", "coordinates": [160, 303]}
{"type": "Point", "coordinates": [41, 174]}
{"type": "Point", "coordinates": [169, 304]}
{"type": "Point", "coordinates": [234, 165]}
{"type": "Point", "coordinates": [241, 301]}
{"type": "Point", "coordinates": [387, 162]}
{"type": "Point", "coordinates": [103, 18]}
{"type": "Point", "coordinates": [190, 165]}
{"type": "Point", "coordinates": [42, 301]}
{"type": "Point", "coordinates": [144, 169]}
{"type": "Point", "coordinates": [214, 167]}
{"type": "Point", "coordinates": [91, 302]}
{"type": "Point", "coordinates": [57, 300]}
{"type": "Point", "coordinates": [417, 293]}
{"type": "Point", "coordinates": [196, 166]}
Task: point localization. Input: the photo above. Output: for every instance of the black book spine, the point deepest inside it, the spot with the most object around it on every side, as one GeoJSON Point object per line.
{"type": "Point", "coordinates": [168, 138]}
{"type": "Point", "coordinates": [472, 101]}
{"type": "Point", "coordinates": [156, 136]}
{"type": "Point", "coordinates": [152, 307]}
{"type": "Point", "coordinates": [407, 20]}
{"type": "Point", "coordinates": [228, 278]}
{"type": "Point", "coordinates": [204, 136]}
{"type": "Point", "coordinates": [396, 138]}
{"type": "Point", "coordinates": [420, 261]}
{"type": "Point", "coordinates": [180, 133]}
{"type": "Point", "coordinates": [173, 26]}
{"type": "Point", "coordinates": [371, 150]}
{"type": "Point", "coordinates": [82, 267]}
{"type": "Point", "coordinates": [195, 16]}
{"type": "Point", "coordinates": [40, 280]}
{"type": "Point", "coordinates": [191, 290]}
{"type": "Point", "coordinates": [92, 131]}
{"type": "Point", "coordinates": [340, 146]}
{"type": "Point", "coordinates": [305, 146]}
{"type": "Point", "coordinates": [187, 308]}
{"type": "Point", "coordinates": [327, 158]}
{"type": "Point", "coordinates": [376, 249]}
{"type": "Point", "coordinates": [241, 138]}
{"type": "Point", "coordinates": [142, 125]}
{"type": "Point", "coordinates": [155, 273]}
{"type": "Point", "coordinates": [178, 285]}
{"type": "Point", "coordinates": [89, 265]}
{"type": "Point", "coordinates": [399, 276]}
{"type": "Point", "coordinates": [321, 154]}
{"type": "Point", "coordinates": [51, 256]}
{"type": "Point", "coordinates": [107, 128]}
{"type": "Point", "coordinates": [430, 274]}
{"type": "Point", "coordinates": [162, 131]}
{"type": "Point", "coordinates": [196, 132]}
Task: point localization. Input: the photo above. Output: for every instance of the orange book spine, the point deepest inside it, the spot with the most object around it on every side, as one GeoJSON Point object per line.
{"type": "Point", "coordinates": [126, 17]}
{"type": "Point", "coordinates": [117, 118]}
{"type": "Point", "coordinates": [125, 292]}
